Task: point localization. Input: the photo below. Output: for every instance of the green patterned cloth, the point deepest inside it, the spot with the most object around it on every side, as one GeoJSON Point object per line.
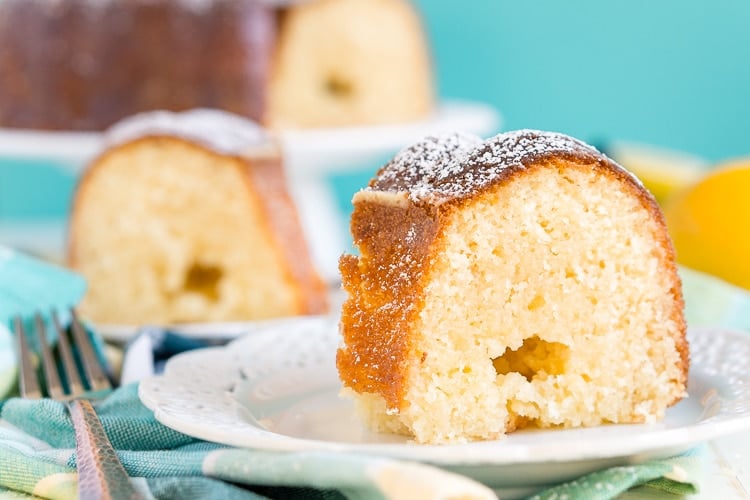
{"type": "Point", "coordinates": [37, 442]}
{"type": "Point", "coordinates": [37, 456]}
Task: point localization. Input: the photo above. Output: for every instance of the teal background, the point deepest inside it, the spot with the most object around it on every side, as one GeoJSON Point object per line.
{"type": "Point", "coordinates": [669, 73]}
{"type": "Point", "coordinates": [673, 73]}
{"type": "Point", "coordinates": [34, 188]}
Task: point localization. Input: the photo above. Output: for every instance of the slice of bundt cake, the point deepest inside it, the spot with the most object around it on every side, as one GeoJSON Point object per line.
{"type": "Point", "coordinates": [526, 280]}
{"type": "Point", "coordinates": [187, 217]}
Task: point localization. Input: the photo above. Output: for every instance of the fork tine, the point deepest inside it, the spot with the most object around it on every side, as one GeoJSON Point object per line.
{"type": "Point", "coordinates": [75, 387]}
{"type": "Point", "coordinates": [28, 383]}
{"type": "Point", "coordinates": [51, 376]}
{"type": "Point", "coordinates": [91, 365]}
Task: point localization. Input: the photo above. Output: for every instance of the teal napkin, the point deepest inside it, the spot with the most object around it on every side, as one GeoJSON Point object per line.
{"type": "Point", "coordinates": [674, 475]}
{"type": "Point", "coordinates": [26, 284]}
{"type": "Point", "coordinates": [37, 455]}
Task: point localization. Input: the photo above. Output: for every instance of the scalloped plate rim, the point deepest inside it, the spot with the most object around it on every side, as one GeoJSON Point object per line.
{"type": "Point", "coordinates": [495, 453]}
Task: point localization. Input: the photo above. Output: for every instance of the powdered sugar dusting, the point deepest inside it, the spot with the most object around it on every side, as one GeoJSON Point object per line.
{"type": "Point", "coordinates": [223, 132]}
{"type": "Point", "coordinates": [520, 146]}
{"type": "Point", "coordinates": [456, 165]}
{"type": "Point", "coordinates": [421, 167]}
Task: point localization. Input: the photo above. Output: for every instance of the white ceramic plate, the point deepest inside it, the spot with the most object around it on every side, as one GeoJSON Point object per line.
{"type": "Point", "coordinates": [218, 331]}
{"type": "Point", "coordinates": [207, 331]}
{"type": "Point", "coordinates": [277, 389]}
{"type": "Point", "coordinates": [308, 151]}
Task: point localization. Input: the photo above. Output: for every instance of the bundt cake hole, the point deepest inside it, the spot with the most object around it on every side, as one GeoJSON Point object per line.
{"type": "Point", "coordinates": [339, 87]}
{"type": "Point", "coordinates": [203, 279]}
{"type": "Point", "coordinates": [536, 358]}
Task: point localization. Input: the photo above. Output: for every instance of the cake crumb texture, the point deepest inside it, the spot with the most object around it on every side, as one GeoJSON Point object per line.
{"type": "Point", "coordinates": [168, 230]}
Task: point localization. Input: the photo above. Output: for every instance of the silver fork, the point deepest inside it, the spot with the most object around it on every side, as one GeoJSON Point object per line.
{"type": "Point", "coordinates": [100, 473]}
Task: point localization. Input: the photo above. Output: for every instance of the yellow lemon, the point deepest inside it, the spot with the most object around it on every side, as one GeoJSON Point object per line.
{"type": "Point", "coordinates": [710, 223]}
{"type": "Point", "coordinates": [663, 171]}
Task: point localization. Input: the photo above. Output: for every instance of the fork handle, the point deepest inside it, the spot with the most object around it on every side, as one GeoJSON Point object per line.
{"type": "Point", "coordinates": [100, 473]}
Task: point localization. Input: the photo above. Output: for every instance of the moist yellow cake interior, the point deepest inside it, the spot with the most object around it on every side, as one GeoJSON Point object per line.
{"type": "Point", "coordinates": [546, 305]}
{"type": "Point", "coordinates": [182, 228]}
{"type": "Point", "coordinates": [349, 80]}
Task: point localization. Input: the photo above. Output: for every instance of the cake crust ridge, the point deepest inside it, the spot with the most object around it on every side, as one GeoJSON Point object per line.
{"type": "Point", "coordinates": [453, 166]}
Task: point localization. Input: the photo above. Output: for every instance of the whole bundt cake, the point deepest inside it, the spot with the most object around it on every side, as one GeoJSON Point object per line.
{"type": "Point", "coordinates": [282, 63]}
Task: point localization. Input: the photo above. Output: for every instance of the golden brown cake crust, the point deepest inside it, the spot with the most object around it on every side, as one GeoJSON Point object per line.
{"type": "Point", "coordinates": [396, 241]}
{"type": "Point", "coordinates": [78, 70]}
{"type": "Point", "coordinates": [266, 178]}
{"type": "Point", "coordinates": [395, 224]}
{"type": "Point", "coordinates": [455, 167]}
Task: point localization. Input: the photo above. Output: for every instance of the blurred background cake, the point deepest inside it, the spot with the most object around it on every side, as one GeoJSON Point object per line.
{"type": "Point", "coordinates": [186, 217]}
{"type": "Point", "coordinates": [83, 65]}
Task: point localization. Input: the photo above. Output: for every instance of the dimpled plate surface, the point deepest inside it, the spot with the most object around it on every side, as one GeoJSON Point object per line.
{"type": "Point", "coordinates": [277, 389]}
